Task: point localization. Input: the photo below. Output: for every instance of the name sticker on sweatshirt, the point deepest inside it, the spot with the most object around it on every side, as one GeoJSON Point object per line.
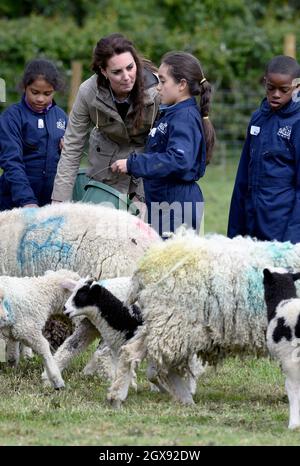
{"type": "Point", "coordinates": [40, 123]}
{"type": "Point", "coordinates": [254, 130]}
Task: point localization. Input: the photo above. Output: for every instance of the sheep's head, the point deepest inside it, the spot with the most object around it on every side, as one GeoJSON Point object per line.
{"type": "Point", "coordinates": [78, 301]}
{"type": "Point", "coordinates": [279, 285]}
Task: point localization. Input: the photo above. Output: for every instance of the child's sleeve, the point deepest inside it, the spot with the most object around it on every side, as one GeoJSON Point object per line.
{"type": "Point", "coordinates": [292, 232]}
{"type": "Point", "coordinates": [237, 224]}
{"type": "Point", "coordinates": [11, 160]}
{"type": "Point", "coordinates": [177, 159]}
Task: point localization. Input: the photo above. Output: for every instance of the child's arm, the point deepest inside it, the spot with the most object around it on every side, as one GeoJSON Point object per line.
{"type": "Point", "coordinates": [179, 158]}
{"type": "Point", "coordinates": [11, 160]}
{"type": "Point", "coordinates": [237, 218]}
{"type": "Point", "coordinates": [292, 232]}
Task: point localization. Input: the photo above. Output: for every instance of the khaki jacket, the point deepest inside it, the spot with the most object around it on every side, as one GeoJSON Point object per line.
{"type": "Point", "coordinates": [94, 113]}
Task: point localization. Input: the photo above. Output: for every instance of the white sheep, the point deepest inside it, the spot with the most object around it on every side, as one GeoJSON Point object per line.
{"type": "Point", "coordinates": [25, 305]}
{"type": "Point", "coordinates": [87, 238]}
{"type": "Point", "coordinates": [201, 296]}
{"type": "Point", "coordinates": [283, 333]}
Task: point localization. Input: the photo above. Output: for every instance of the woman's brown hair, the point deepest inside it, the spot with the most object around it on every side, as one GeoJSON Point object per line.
{"type": "Point", "coordinates": [115, 44]}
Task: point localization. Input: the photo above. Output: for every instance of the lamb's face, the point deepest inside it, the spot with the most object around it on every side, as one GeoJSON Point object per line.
{"type": "Point", "coordinates": [79, 302]}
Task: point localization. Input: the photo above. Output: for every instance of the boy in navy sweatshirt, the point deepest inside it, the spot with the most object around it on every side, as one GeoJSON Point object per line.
{"type": "Point", "coordinates": [265, 202]}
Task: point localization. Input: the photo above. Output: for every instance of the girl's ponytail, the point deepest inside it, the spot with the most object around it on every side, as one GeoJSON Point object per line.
{"type": "Point", "coordinates": [209, 131]}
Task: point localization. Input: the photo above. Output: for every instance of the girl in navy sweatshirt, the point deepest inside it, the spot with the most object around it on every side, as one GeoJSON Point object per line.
{"type": "Point", "coordinates": [178, 147]}
{"type": "Point", "coordinates": [31, 135]}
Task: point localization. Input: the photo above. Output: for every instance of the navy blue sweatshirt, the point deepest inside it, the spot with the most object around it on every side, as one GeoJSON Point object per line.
{"type": "Point", "coordinates": [29, 153]}
{"type": "Point", "coordinates": [173, 162]}
{"type": "Point", "coordinates": [266, 197]}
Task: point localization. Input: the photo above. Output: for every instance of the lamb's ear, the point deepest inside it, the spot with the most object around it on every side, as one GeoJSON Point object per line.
{"type": "Point", "coordinates": [296, 276]}
{"type": "Point", "coordinates": [267, 274]}
{"type": "Point", "coordinates": [68, 284]}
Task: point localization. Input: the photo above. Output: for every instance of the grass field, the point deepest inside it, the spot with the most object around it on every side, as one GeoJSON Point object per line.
{"type": "Point", "coordinates": [242, 403]}
{"type": "Point", "coordinates": [217, 185]}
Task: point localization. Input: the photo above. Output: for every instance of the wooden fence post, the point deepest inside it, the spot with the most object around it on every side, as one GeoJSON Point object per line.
{"type": "Point", "coordinates": [75, 82]}
{"type": "Point", "coordinates": [290, 45]}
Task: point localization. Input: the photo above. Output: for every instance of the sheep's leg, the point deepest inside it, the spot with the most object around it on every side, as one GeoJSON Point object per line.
{"type": "Point", "coordinates": [12, 352]}
{"type": "Point", "coordinates": [84, 334]}
{"type": "Point", "coordinates": [292, 385]}
{"type": "Point", "coordinates": [130, 356]}
{"type": "Point", "coordinates": [102, 362]}
{"type": "Point", "coordinates": [41, 346]}
{"type": "Point", "coordinates": [152, 375]}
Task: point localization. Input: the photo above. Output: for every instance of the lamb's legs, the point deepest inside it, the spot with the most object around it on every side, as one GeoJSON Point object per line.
{"type": "Point", "coordinates": [84, 334]}
{"type": "Point", "coordinates": [131, 355]}
{"type": "Point", "coordinates": [41, 346]}
{"type": "Point", "coordinates": [292, 386]}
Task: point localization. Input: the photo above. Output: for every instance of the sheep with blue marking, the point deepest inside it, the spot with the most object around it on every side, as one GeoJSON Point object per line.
{"type": "Point", "coordinates": [201, 296]}
{"type": "Point", "coordinates": [86, 238]}
{"type": "Point", "coordinates": [283, 332]}
{"type": "Point", "coordinates": [25, 305]}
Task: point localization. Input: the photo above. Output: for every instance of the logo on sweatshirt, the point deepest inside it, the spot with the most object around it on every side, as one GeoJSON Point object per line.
{"type": "Point", "coordinates": [285, 132]}
{"type": "Point", "coordinates": [162, 128]}
{"type": "Point", "coordinates": [61, 124]}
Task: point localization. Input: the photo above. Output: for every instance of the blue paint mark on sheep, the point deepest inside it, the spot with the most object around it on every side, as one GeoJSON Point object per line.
{"type": "Point", "coordinates": [9, 318]}
{"type": "Point", "coordinates": [255, 290]}
{"type": "Point", "coordinates": [42, 239]}
{"type": "Point", "coordinates": [102, 283]}
{"type": "Point", "coordinates": [279, 253]}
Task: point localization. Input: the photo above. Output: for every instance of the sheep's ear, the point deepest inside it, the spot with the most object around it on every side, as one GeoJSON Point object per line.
{"type": "Point", "coordinates": [296, 276]}
{"type": "Point", "coordinates": [68, 284]}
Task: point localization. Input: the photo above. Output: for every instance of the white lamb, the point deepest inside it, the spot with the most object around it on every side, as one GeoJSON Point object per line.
{"type": "Point", "coordinates": [200, 296]}
{"type": "Point", "coordinates": [90, 239]}
{"type": "Point", "coordinates": [283, 333]}
{"type": "Point", "coordinates": [25, 305]}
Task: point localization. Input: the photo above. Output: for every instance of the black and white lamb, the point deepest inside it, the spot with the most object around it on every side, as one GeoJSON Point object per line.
{"type": "Point", "coordinates": [25, 305]}
{"type": "Point", "coordinates": [283, 333]}
{"type": "Point", "coordinates": [103, 304]}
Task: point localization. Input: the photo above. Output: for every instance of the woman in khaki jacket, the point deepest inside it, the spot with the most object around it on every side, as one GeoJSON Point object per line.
{"type": "Point", "coordinates": [116, 107]}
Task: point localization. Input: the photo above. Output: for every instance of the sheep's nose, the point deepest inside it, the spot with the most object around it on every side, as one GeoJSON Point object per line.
{"type": "Point", "coordinates": [65, 310]}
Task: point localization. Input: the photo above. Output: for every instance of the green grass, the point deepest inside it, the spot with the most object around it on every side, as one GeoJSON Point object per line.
{"type": "Point", "coordinates": [242, 403]}
{"type": "Point", "coordinates": [217, 185]}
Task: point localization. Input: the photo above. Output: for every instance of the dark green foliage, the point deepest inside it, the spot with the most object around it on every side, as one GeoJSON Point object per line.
{"type": "Point", "coordinates": [234, 39]}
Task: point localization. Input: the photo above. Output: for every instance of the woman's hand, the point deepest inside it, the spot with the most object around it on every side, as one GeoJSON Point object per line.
{"type": "Point", "coordinates": [120, 166]}
{"type": "Point", "coordinates": [30, 205]}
